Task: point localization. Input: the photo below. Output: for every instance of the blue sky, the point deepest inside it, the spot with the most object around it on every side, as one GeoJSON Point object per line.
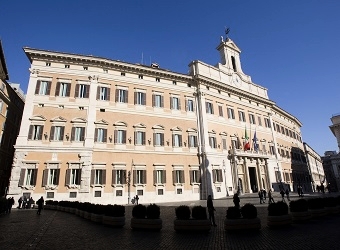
{"type": "Point", "coordinates": [290, 47]}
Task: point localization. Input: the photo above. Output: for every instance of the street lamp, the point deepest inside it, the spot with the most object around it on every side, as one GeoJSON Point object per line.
{"type": "Point", "coordinates": [225, 178]}
{"type": "Point", "coordinates": [128, 180]}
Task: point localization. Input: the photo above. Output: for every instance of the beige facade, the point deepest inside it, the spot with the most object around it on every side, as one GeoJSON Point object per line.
{"type": "Point", "coordinates": [103, 131]}
{"type": "Point", "coordinates": [11, 108]}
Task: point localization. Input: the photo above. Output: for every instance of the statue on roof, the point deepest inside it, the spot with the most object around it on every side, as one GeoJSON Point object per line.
{"type": "Point", "coordinates": [226, 31]}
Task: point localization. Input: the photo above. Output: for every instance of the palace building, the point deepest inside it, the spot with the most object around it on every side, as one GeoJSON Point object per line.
{"type": "Point", "coordinates": [102, 130]}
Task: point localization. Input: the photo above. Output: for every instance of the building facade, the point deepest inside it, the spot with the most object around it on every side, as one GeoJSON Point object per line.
{"type": "Point", "coordinates": [11, 108]}
{"type": "Point", "coordinates": [102, 130]}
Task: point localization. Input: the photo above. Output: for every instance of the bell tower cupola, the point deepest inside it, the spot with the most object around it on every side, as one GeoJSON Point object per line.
{"type": "Point", "coordinates": [230, 54]}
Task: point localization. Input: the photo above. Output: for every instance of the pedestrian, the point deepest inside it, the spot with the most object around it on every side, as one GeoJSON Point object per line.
{"type": "Point", "coordinates": [236, 200]}
{"type": "Point", "coordinates": [136, 199]}
{"type": "Point", "coordinates": [264, 194]}
{"type": "Point", "coordinates": [24, 202]}
{"type": "Point", "coordinates": [10, 203]}
{"type": "Point", "coordinates": [260, 193]}
{"type": "Point", "coordinates": [211, 210]}
{"type": "Point", "coordinates": [40, 204]}
{"type": "Point", "coordinates": [270, 197]}
{"type": "Point", "coordinates": [282, 195]}
{"type": "Point", "coordinates": [322, 188]}
{"type": "Point", "coordinates": [287, 194]}
{"type": "Point", "coordinates": [19, 202]}
{"type": "Point", "coordinates": [30, 203]}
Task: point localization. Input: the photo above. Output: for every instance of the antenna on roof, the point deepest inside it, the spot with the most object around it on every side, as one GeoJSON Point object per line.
{"type": "Point", "coordinates": [142, 59]}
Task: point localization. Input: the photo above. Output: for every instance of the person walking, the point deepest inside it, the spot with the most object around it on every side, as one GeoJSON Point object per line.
{"type": "Point", "coordinates": [236, 200]}
{"type": "Point", "coordinates": [283, 195]}
{"type": "Point", "coordinates": [264, 194]}
{"type": "Point", "coordinates": [19, 202]}
{"type": "Point", "coordinates": [40, 204]}
{"type": "Point", "coordinates": [260, 193]}
{"type": "Point", "coordinates": [270, 197]}
{"type": "Point", "coordinates": [287, 194]}
{"type": "Point", "coordinates": [211, 210]}
{"type": "Point", "coordinates": [10, 203]}
{"type": "Point", "coordinates": [136, 199]}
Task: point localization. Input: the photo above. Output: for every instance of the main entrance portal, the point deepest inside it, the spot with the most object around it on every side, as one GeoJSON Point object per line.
{"type": "Point", "coordinates": [252, 178]}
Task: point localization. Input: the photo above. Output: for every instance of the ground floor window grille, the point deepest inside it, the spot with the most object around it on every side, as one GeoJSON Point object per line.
{"type": "Point", "coordinates": [119, 192]}
{"type": "Point", "coordinates": [140, 192]}
{"type": "Point", "coordinates": [50, 195]}
{"type": "Point", "coordinates": [97, 193]}
{"type": "Point", "coordinates": [160, 191]}
{"type": "Point", "coordinates": [73, 194]}
{"type": "Point", "coordinates": [179, 191]}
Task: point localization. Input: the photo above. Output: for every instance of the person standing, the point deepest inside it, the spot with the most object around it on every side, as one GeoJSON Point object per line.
{"type": "Point", "coordinates": [287, 194]}
{"type": "Point", "coordinates": [211, 210]}
{"type": "Point", "coordinates": [136, 199]}
{"type": "Point", "coordinates": [260, 193]}
{"type": "Point", "coordinates": [270, 197]}
{"type": "Point", "coordinates": [236, 200]}
{"type": "Point", "coordinates": [40, 204]}
{"type": "Point", "coordinates": [264, 194]}
{"type": "Point", "coordinates": [20, 201]}
{"type": "Point", "coordinates": [283, 195]}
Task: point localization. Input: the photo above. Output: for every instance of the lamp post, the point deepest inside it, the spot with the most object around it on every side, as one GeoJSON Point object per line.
{"type": "Point", "coordinates": [225, 178]}
{"type": "Point", "coordinates": [128, 180]}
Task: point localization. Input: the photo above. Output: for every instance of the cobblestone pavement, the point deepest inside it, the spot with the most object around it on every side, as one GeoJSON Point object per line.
{"type": "Point", "coordinates": [24, 229]}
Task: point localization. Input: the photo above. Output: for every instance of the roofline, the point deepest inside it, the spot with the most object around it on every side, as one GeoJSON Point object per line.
{"type": "Point", "coordinates": [277, 108]}
{"type": "Point", "coordinates": [3, 62]}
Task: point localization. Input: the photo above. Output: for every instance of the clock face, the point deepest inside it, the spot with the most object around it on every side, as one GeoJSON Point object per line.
{"type": "Point", "coordinates": [237, 80]}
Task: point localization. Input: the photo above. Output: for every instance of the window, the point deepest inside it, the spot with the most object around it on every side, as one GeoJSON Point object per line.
{"type": "Point", "coordinates": [158, 79]}
{"type": "Point", "coordinates": [73, 176]}
{"type": "Point", "coordinates": [242, 117]}
{"type": "Point", "coordinates": [157, 101]}
{"type": "Point", "coordinates": [62, 89]}
{"type": "Point", "coordinates": [195, 176]}
{"type": "Point", "coordinates": [272, 150]}
{"type": "Point", "coordinates": [278, 128]}
{"type": "Point", "coordinates": [100, 135]}
{"type": "Point", "coordinates": [140, 98]}
{"type": "Point", "coordinates": [179, 190]}
{"type": "Point", "coordinates": [139, 138]}
{"type": "Point", "coordinates": [119, 192]}
{"type": "Point", "coordinates": [35, 132]}
{"type": "Point", "coordinates": [103, 93]}
{"type": "Point", "coordinates": [140, 192]}
{"type": "Point", "coordinates": [57, 133]}
{"type": "Point", "coordinates": [231, 114]}
{"type": "Point", "coordinates": [212, 142]}
{"type": "Point", "coordinates": [49, 195]}
{"type": "Point", "coordinates": [190, 105]}
{"type": "Point", "coordinates": [158, 139]}
{"type": "Point", "coordinates": [43, 88]}
{"type": "Point", "coordinates": [51, 177]}
{"type": "Point", "coordinates": [122, 73]}
{"type": "Point", "coordinates": [174, 82]}
{"type": "Point", "coordinates": [287, 133]}
{"type": "Point", "coordinates": [31, 177]}
{"type": "Point", "coordinates": [48, 64]}
{"type": "Point", "coordinates": [220, 111]}
{"type": "Point", "coordinates": [105, 71]}
{"type": "Point", "coordinates": [259, 120]}
{"type": "Point", "coordinates": [159, 176]}
{"type": "Point", "coordinates": [82, 91]}
{"type": "Point", "coordinates": [119, 176]}
{"type": "Point", "coordinates": [176, 140]}
{"type": "Point", "coordinates": [224, 143]}
{"type": "Point", "coordinates": [209, 108]}
{"type": "Point", "coordinates": [267, 123]}
{"type": "Point", "coordinates": [160, 191]}
{"type": "Point", "coordinates": [139, 177]}
{"type": "Point", "coordinates": [175, 103]}
{"type": "Point", "coordinates": [78, 134]}
{"type": "Point", "coordinates": [252, 119]}
{"type": "Point", "coordinates": [67, 66]}
{"type": "Point", "coordinates": [1, 105]}
{"type": "Point", "coordinates": [120, 137]}
{"type": "Point", "coordinates": [98, 176]}
{"type": "Point", "coordinates": [140, 76]}
{"type": "Point", "coordinates": [121, 95]}
{"type": "Point", "coordinates": [73, 194]}
{"type": "Point", "coordinates": [85, 68]}
{"type": "Point", "coordinates": [217, 175]}
{"type": "Point", "coordinates": [178, 176]}
{"type": "Point", "coordinates": [97, 193]}
{"type": "Point", "coordinates": [192, 141]}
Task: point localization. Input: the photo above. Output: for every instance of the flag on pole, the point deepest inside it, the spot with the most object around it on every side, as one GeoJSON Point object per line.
{"type": "Point", "coordinates": [256, 146]}
{"type": "Point", "coordinates": [246, 138]}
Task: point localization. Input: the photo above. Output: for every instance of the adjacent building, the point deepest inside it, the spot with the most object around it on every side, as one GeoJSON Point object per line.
{"type": "Point", "coordinates": [11, 108]}
{"type": "Point", "coordinates": [102, 130]}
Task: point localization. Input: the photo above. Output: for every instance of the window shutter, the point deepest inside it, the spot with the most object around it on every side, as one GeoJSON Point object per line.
{"type": "Point", "coordinates": [62, 129]}
{"type": "Point", "coordinates": [144, 99]}
{"type": "Point", "coordinates": [98, 93]}
{"type": "Point", "coordinates": [171, 106]}
{"type": "Point", "coordinates": [198, 176]}
{"type": "Point", "coordinates": [108, 90]}
{"type": "Point", "coordinates": [124, 136]}
{"type": "Point", "coordinates": [174, 177]}
{"type": "Point", "coordinates": [186, 104]}
{"type": "Point", "coordinates": [124, 177]}
{"type": "Point", "coordinates": [163, 176]}
{"type": "Point", "coordinates": [41, 132]}
{"type": "Point", "coordinates": [87, 91]}
{"type": "Point", "coordinates": [37, 87]}
{"type": "Point", "coordinates": [135, 98]}
{"type": "Point", "coordinates": [182, 176]}
{"type": "Point", "coordinates": [179, 103]}
{"type": "Point", "coordinates": [194, 105]}
{"type": "Point", "coordinates": [135, 137]}
{"type": "Point", "coordinates": [144, 176]}
{"type": "Point", "coordinates": [154, 139]}
{"type": "Point", "coordinates": [35, 173]}
{"type": "Point", "coordinates": [48, 91]}
{"type": "Point", "coordinates": [134, 176]}
{"type": "Point", "coordinates": [95, 134]}
{"type": "Point", "coordinates": [116, 95]}
{"type": "Point", "coordinates": [206, 107]}
{"type": "Point", "coordinates": [191, 176]}
{"type": "Point", "coordinates": [195, 140]}
{"type": "Point", "coordinates": [173, 140]}
{"type": "Point", "coordinates": [143, 138]}
{"type": "Point", "coordinates": [162, 139]}
{"type": "Point", "coordinates": [155, 177]}
{"type": "Point", "coordinates": [52, 133]}
{"type": "Point", "coordinates": [126, 97]}
{"type": "Point", "coordinates": [180, 140]}
{"type": "Point", "coordinates": [114, 176]}
{"type": "Point", "coordinates": [76, 92]}
{"type": "Point", "coordinates": [93, 174]}
{"type": "Point", "coordinates": [214, 175]}
{"type": "Point", "coordinates": [45, 176]}
{"type": "Point", "coordinates": [221, 176]}
{"type": "Point", "coordinates": [79, 178]}
{"type": "Point", "coordinates": [22, 177]}
{"type": "Point", "coordinates": [30, 132]}
{"type": "Point", "coordinates": [73, 130]}
{"type": "Point", "coordinates": [82, 137]}
{"type": "Point", "coordinates": [68, 176]}
{"type": "Point", "coordinates": [57, 89]}
{"type": "Point", "coordinates": [68, 89]}
{"type": "Point", "coordinates": [162, 101]}
{"type": "Point", "coordinates": [104, 135]}
{"type": "Point", "coordinates": [115, 136]}
{"type": "Point", "coordinates": [57, 179]}
{"type": "Point", "coordinates": [103, 177]}
{"type": "Point", "coordinates": [153, 100]}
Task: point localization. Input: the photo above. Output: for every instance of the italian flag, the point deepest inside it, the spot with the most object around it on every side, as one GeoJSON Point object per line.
{"type": "Point", "coordinates": [246, 138]}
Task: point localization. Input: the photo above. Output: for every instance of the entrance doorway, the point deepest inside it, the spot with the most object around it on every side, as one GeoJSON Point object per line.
{"type": "Point", "coordinates": [240, 186]}
{"type": "Point", "coordinates": [252, 178]}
